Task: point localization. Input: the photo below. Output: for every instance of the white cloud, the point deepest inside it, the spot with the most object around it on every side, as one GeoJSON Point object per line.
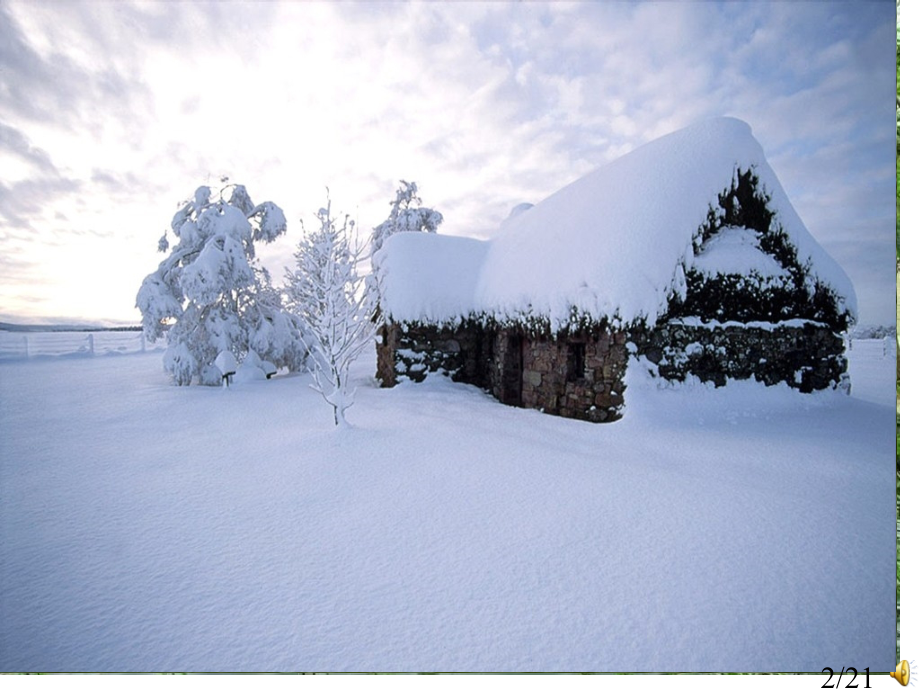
{"type": "Point", "coordinates": [483, 104]}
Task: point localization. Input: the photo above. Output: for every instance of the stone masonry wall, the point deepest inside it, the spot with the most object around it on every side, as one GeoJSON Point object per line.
{"type": "Point", "coordinates": [414, 352]}
{"type": "Point", "coordinates": [505, 370]}
{"type": "Point", "coordinates": [594, 392]}
{"type": "Point", "coordinates": [807, 357]}
{"type": "Point", "coordinates": [581, 375]}
{"type": "Point", "coordinates": [533, 372]}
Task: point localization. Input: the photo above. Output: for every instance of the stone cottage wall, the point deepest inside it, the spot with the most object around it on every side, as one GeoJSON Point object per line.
{"type": "Point", "coordinates": [807, 357]}
{"type": "Point", "coordinates": [548, 382]}
{"type": "Point", "coordinates": [518, 369]}
{"type": "Point", "coordinates": [414, 351]}
{"type": "Point", "coordinates": [581, 375]}
{"type": "Point", "coordinates": [387, 336]}
{"type": "Point", "coordinates": [506, 367]}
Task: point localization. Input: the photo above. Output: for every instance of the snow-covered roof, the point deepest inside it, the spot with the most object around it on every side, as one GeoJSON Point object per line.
{"type": "Point", "coordinates": [614, 244]}
{"type": "Point", "coordinates": [429, 278]}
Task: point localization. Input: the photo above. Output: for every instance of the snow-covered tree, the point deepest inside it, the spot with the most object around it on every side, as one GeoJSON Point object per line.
{"type": "Point", "coordinates": [406, 215]}
{"type": "Point", "coordinates": [210, 295]}
{"type": "Point", "coordinates": [327, 293]}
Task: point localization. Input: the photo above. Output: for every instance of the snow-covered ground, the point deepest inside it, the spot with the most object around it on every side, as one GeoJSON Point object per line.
{"type": "Point", "coordinates": [146, 527]}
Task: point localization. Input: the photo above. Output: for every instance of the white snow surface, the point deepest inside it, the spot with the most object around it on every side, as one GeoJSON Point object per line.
{"type": "Point", "coordinates": [428, 277]}
{"type": "Point", "coordinates": [736, 251]}
{"type": "Point", "coordinates": [612, 244]}
{"type": "Point", "coordinates": [226, 362]}
{"type": "Point", "coordinates": [150, 527]}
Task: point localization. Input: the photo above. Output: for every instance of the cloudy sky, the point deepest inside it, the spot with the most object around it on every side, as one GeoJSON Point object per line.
{"type": "Point", "coordinates": [111, 113]}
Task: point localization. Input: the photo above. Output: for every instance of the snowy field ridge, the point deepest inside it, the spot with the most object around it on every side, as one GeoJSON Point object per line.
{"type": "Point", "coordinates": [150, 527]}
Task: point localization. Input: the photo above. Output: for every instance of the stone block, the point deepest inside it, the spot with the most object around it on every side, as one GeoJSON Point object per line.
{"type": "Point", "coordinates": [605, 400]}
{"type": "Point", "coordinates": [596, 415]}
{"type": "Point", "coordinates": [532, 378]}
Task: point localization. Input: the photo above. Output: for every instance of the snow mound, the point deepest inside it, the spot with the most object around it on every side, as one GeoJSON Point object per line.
{"type": "Point", "coordinates": [515, 212]}
{"type": "Point", "coordinates": [226, 362]}
{"type": "Point", "coordinates": [736, 251]}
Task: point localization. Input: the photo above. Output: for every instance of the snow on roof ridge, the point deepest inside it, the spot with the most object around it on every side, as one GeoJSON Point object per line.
{"type": "Point", "coordinates": [611, 245]}
{"type": "Point", "coordinates": [428, 277]}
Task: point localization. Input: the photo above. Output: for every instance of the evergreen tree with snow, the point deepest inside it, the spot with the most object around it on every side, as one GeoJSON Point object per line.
{"type": "Point", "coordinates": [406, 215]}
{"type": "Point", "coordinates": [328, 295]}
{"type": "Point", "coordinates": [210, 295]}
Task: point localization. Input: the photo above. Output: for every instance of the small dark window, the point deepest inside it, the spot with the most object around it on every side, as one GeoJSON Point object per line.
{"type": "Point", "coordinates": [575, 362]}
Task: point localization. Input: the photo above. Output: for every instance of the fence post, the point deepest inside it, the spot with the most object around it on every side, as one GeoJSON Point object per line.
{"type": "Point", "coordinates": [92, 349]}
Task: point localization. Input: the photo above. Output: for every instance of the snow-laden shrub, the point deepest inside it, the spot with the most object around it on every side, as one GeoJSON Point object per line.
{"type": "Point", "coordinates": [406, 215]}
{"type": "Point", "coordinates": [210, 294]}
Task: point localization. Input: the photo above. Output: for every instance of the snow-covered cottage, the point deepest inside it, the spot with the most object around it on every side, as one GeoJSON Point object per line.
{"type": "Point", "coordinates": [685, 252]}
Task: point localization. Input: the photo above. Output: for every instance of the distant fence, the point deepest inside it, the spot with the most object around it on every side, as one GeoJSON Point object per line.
{"type": "Point", "coordinates": [877, 348]}
{"type": "Point", "coordinates": [18, 345]}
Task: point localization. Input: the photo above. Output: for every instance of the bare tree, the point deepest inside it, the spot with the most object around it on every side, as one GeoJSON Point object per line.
{"type": "Point", "coordinates": [326, 292]}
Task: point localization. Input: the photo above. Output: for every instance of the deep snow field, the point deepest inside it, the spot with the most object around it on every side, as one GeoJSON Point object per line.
{"type": "Point", "coordinates": [146, 527]}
